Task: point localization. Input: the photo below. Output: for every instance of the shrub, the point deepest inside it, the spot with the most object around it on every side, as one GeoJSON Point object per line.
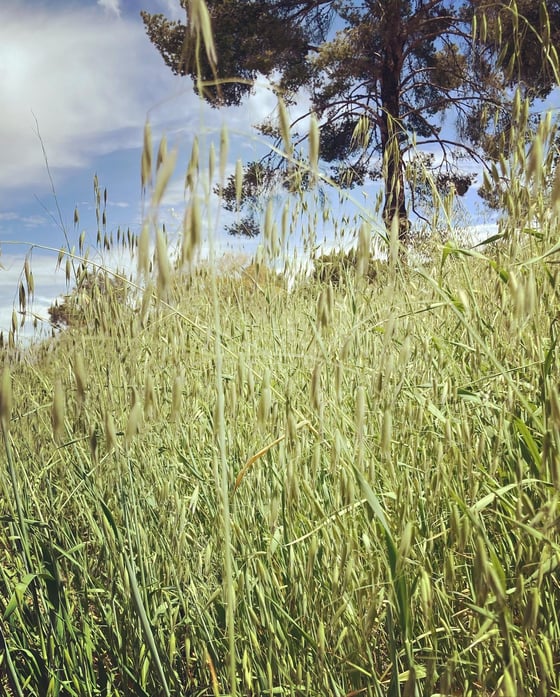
{"type": "Point", "coordinates": [336, 267]}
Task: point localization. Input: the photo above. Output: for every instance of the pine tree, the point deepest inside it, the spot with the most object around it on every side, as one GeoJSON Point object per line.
{"type": "Point", "coordinates": [381, 76]}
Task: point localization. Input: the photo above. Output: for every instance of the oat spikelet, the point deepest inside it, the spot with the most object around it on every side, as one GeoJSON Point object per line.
{"type": "Point", "coordinates": [149, 395]}
{"type": "Point", "coordinates": [554, 398]}
{"type": "Point", "coordinates": [146, 167]}
{"type": "Point", "coordinates": [291, 428]}
{"type": "Point", "coordinates": [325, 307]}
{"type": "Point", "coordinates": [22, 298]}
{"type": "Point", "coordinates": [316, 394]}
{"type": "Point", "coordinates": [361, 134]}
{"type": "Point", "coordinates": [314, 146]}
{"type": "Point", "coordinates": [284, 125]}
{"type": "Point", "coordinates": [239, 182]}
{"type": "Point", "coordinates": [162, 153]}
{"type": "Point", "coordinates": [211, 164]}
{"type": "Point", "coordinates": [405, 545]}
{"type": "Point", "coordinates": [224, 147]}
{"type": "Point", "coordinates": [94, 444]}
{"type": "Point", "coordinates": [394, 239]}
{"type": "Point", "coordinates": [285, 222]}
{"type": "Point", "coordinates": [80, 375]}
{"type": "Point", "coordinates": [386, 432]}
{"type": "Point", "coordinates": [28, 277]}
{"type": "Point", "coordinates": [192, 232]}
{"type": "Point", "coordinates": [193, 168]}
{"type": "Point", "coordinates": [265, 401]}
{"type": "Point", "coordinates": [144, 251]}
{"type": "Point", "coordinates": [363, 250]}
{"type": "Point", "coordinates": [177, 397]}
{"type": "Point", "coordinates": [58, 411]}
{"type": "Point", "coordinates": [360, 409]}
{"type": "Point", "coordinates": [270, 230]}
{"type": "Point", "coordinates": [146, 302]}
{"type": "Point", "coordinates": [135, 421]}
{"type": "Point", "coordinates": [60, 257]}
{"type": "Point", "coordinates": [163, 176]}
{"type": "Point", "coordinates": [201, 25]}
{"type": "Point", "coordinates": [535, 163]}
{"type": "Point", "coordinates": [480, 570]}
{"type": "Point", "coordinates": [164, 268]}
{"type": "Point", "coordinates": [110, 432]}
{"type": "Point", "coordinates": [426, 596]}
{"type": "Point", "coordinates": [5, 399]}
{"type": "Point", "coordinates": [555, 192]}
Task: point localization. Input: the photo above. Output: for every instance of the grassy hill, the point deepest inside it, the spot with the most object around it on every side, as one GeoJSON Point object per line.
{"type": "Point", "coordinates": [222, 481]}
{"type": "Point", "coordinates": [334, 489]}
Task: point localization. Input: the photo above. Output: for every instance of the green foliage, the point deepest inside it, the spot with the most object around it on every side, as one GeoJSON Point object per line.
{"type": "Point", "coordinates": [258, 37]}
{"type": "Point", "coordinates": [338, 267]}
{"type": "Point", "coordinates": [526, 35]}
{"type": "Point", "coordinates": [93, 287]}
{"type": "Point", "coordinates": [389, 71]}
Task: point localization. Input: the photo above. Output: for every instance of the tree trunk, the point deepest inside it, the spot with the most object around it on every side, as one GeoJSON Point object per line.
{"type": "Point", "coordinates": [391, 133]}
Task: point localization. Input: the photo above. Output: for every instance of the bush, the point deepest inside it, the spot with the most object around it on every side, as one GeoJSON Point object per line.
{"type": "Point", "coordinates": [337, 266]}
{"type": "Point", "coordinates": [70, 311]}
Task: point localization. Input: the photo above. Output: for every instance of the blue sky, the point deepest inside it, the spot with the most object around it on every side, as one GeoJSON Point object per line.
{"type": "Point", "coordinates": [83, 75]}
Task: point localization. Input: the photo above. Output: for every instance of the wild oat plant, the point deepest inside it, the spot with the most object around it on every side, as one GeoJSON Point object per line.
{"type": "Point", "coordinates": [223, 481]}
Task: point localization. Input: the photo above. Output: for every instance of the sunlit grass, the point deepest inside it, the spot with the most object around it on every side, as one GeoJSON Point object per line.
{"type": "Point", "coordinates": [218, 482]}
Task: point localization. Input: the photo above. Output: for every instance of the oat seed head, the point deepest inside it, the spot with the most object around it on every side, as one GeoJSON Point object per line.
{"type": "Point", "coordinates": [5, 399]}
{"type": "Point", "coordinates": [146, 165]}
{"type": "Point", "coordinates": [58, 411]}
{"type": "Point", "coordinates": [163, 176]}
{"type": "Point", "coordinates": [163, 265]}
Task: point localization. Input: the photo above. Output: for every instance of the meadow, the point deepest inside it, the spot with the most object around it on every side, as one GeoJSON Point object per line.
{"type": "Point", "coordinates": [216, 482]}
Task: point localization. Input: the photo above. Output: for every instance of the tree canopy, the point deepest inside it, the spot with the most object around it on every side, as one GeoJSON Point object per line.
{"type": "Point", "coordinates": [381, 75]}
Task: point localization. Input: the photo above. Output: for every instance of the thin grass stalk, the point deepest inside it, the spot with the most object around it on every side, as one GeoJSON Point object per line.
{"type": "Point", "coordinates": [13, 678]}
{"type": "Point", "coordinates": [484, 348]}
{"type": "Point", "coordinates": [220, 431]}
{"type": "Point", "coordinates": [24, 537]}
{"type": "Point", "coordinates": [19, 506]}
{"type": "Point", "coordinates": [137, 598]}
{"type": "Point", "coordinates": [60, 221]}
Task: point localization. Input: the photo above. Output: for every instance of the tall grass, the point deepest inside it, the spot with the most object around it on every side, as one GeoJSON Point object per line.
{"type": "Point", "coordinates": [218, 485]}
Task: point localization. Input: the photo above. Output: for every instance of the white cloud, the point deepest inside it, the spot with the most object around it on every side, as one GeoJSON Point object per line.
{"type": "Point", "coordinates": [88, 80]}
{"type": "Point", "coordinates": [28, 221]}
{"type": "Point", "coordinates": [86, 83]}
{"type": "Point", "coordinates": [110, 6]}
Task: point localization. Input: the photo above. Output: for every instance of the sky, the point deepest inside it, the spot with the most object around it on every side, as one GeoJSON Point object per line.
{"type": "Point", "coordinates": [78, 81]}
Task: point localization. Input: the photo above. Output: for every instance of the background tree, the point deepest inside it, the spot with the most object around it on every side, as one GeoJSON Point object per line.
{"type": "Point", "coordinates": [524, 35]}
{"type": "Point", "coordinates": [381, 76]}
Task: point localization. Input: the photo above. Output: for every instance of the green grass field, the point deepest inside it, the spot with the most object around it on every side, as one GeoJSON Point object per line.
{"type": "Point", "coordinates": [222, 486]}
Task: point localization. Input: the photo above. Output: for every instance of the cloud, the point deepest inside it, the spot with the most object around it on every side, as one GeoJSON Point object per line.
{"type": "Point", "coordinates": [28, 221]}
{"type": "Point", "coordinates": [77, 77]}
{"type": "Point", "coordinates": [81, 84]}
{"type": "Point", "coordinates": [110, 6]}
